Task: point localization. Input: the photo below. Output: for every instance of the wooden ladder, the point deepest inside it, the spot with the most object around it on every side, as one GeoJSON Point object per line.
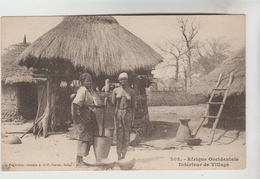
{"type": "Point", "coordinates": [207, 116]}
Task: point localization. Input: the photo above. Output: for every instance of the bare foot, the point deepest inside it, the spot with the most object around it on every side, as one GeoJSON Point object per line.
{"type": "Point", "coordinates": [81, 164]}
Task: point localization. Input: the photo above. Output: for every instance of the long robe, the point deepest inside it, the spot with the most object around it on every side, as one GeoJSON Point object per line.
{"type": "Point", "coordinates": [86, 124]}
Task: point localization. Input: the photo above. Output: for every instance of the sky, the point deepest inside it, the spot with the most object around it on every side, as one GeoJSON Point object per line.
{"type": "Point", "coordinates": [155, 30]}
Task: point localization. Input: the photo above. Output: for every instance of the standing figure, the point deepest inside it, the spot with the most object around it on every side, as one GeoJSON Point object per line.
{"type": "Point", "coordinates": [83, 107]}
{"type": "Point", "coordinates": [123, 98]}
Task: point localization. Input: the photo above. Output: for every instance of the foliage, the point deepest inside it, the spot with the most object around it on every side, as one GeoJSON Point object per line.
{"type": "Point", "coordinates": [192, 58]}
{"type": "Point", "coordinates": [234, 63]}
{"type": "Point", "coordinates": [211, 54]}
{"type": "Point", "coordinates": [205, 64]}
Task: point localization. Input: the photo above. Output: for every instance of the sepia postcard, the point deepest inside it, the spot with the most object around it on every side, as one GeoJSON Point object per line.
{"type": "Point", "coordinates": [123, 92]}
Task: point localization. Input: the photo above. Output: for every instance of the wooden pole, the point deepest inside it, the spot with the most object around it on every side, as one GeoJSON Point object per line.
{"type": "Point", "coordinates": [36, 123]}
{"type": "Point", "coordinates": [45, 120]}
{"type": "Point", "coordinates": [105, 106]}
{"type": "Point", "coordinates": [39, 106]}
{"type": "Point", "coordinates": [54, 117]}
{"type": "Point", "coordinates": [195, 132]}
{"type": "Point", "coordinates": [221, 108]}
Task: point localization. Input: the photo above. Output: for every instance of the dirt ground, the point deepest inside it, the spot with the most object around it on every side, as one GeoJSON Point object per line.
{"type": "Point", "coordinates": [158, 152]}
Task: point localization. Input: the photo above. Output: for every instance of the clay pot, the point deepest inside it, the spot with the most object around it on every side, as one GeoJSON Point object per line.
{"type": "Point", "coordinates": [134, 139]}
{"type": "Point", "coordinates": [193, 141]}
{"type": "Point", "coordinates": [13, 140]}
{"type": "Point", "coordinates": [126, 164]}
{"type": "Point", "coordinates": [183, 130]}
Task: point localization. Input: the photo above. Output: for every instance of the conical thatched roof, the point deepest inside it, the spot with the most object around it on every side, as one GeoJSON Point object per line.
{"type": "Point", "coordinates": [95, 43]}
{"type": "Point", "coordinates": [12, 73]}
{"type": "Point", "coordinates": [235, 63]}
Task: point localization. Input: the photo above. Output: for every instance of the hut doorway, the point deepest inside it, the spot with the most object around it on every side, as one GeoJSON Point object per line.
{"type": "Point", "coordinates": [28, 101]}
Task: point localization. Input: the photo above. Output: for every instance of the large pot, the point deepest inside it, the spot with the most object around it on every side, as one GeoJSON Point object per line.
{"type": "Point", "coordinates": [134, 138]}
{"type": "Point", "coordinates": [102, 147]}
{"type": "Point", "coordinates": [183, 130]}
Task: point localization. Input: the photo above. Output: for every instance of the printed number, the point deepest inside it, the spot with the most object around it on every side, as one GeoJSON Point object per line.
{"type": "Point", "coordinates": [176, 159]}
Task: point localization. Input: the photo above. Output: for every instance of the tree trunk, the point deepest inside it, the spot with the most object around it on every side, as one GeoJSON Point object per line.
{"type": "Point", "coordinates": [177, 71]}
{"type": "Point", "coordinates": [189, 67]}
{"type": "Point", "coordinates": [185, 79]}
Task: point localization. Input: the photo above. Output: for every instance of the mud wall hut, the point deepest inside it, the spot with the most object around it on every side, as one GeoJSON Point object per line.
{"type": "Point", "coordinates": [233, 115]}
{"type": "Point", "coordinates": [94, 44]}
{"type": "Point", "coordinates": [19, 90]}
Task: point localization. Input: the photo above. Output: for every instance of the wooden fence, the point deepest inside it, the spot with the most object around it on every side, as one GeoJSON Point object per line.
{"type": "Point", "coordinates": [173, 98]}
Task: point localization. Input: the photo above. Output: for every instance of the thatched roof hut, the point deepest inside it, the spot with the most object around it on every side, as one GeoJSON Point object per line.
{"type": "Point", "coordinates": [19, 90]}
{"type": "Point", "coordinates": [13, 73]}
{"type": "Point", "coordinates": [94, 44]}
{"type": "Point", "coordinates": [97, 44]}
{"type": "Point", "coordinates": [236, 64]}
{"type": "Point", "coordinates": [233, 114]}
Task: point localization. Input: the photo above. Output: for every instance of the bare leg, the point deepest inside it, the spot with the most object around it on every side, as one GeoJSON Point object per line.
{"type": "Point", "coordinates": [126, 133]}
{"type": "Point", "coordinates": [82, 151]}
{"type": "Point", "coordinates": [80, 162]}
{"type": "Point", "coordinates": [119, 156]}
{"type": "Point", "coordinates": [119, 137]}
{"type": "Point", "coordinates": [123, 155]}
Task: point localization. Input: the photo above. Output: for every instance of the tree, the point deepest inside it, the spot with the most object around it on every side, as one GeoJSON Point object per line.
{"type": "Point", "coordinates": [176, 50]}
{"type": "Point", "coordinates": [211, 54]}
{"type": "Point", "coordinates": [185, 72]}
{"type": "Point", "coordinates": [189, 28]}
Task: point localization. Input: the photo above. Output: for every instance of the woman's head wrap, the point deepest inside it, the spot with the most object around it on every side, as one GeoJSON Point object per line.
{"type": "Point", "coordinates": [123, 75]}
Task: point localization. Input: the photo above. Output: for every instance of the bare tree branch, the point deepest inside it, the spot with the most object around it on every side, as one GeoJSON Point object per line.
{"type": "Point", "coordinates": [177, 51]}
{"type": "Point", "coordinates": [189, 28]}
{"type": "Point", "coordinates": [166, 51]}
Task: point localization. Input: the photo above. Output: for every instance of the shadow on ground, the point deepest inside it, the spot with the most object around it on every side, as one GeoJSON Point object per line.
{"type": "Point", "coordinates": [162, 130]}
{"type": "Point", "coordinates": [227, 137]}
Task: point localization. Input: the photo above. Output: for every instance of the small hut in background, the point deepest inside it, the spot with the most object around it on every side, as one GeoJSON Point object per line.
{"type": "Point", "coordinates": [233, 115]}
{"type": "Point", "coordinates": [94, 44]}
{"type": "Point", "coordinates": [19, 90]}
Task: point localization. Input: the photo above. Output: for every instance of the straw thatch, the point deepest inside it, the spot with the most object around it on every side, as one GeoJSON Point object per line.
{"type": "Point", "coordinates": [97, 44]}
{"type": "Point", "coordinates": [235, 64]}
{"type": "Point", "coordinates": [19, 96]}
{"type": "Point", "coordinates": [12, 73]}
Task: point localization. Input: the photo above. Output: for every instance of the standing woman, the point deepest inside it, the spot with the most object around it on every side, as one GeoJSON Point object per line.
{"type": "Point", "coordinates": [83, 107]}
{"type": "Point", "coordinates": [123, 98]}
